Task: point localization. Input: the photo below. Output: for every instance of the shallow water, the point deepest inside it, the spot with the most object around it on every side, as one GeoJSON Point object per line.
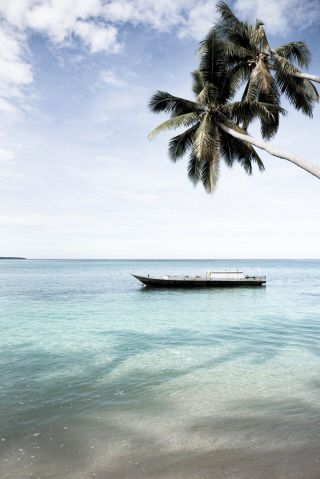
{"type": "Point", "coordinates": [102, 378]}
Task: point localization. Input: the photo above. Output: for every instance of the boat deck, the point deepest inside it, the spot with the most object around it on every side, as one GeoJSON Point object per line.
{"type": "Point", "coordinates": [202, 281]}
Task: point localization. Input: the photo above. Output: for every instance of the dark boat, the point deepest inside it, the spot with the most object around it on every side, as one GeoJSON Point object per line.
{"type": "Point", "coordinates": [213, 279]}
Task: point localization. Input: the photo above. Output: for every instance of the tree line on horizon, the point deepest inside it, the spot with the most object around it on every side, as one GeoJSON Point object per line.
{"type": "Point", "coordinates": [237, 55]}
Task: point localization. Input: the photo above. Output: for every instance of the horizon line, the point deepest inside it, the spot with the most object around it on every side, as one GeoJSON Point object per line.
{"type": "Point", "coordinates": [156, 259]}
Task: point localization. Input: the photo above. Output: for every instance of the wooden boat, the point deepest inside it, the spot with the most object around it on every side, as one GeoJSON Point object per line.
{"type": "Point", "coordinates": [213, 279]}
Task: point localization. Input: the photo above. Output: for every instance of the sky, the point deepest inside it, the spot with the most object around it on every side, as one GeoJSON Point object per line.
{"type": "Point", "coordinates": [79, 177]}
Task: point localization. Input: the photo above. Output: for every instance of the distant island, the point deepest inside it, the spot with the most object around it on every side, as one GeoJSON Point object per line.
{"type": "Point", "coordinates": [11, 257]}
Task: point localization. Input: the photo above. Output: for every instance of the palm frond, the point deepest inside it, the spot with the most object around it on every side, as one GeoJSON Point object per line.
{"type": "Point", "coordinates": [230, 27]}
{"type": "Point", "coordinates": [259, 37]}
{"type": "Point", "coordinates": [311, 91]}
{"type": "Point", "coordinates": [233, 150]}
{"type": "Point", "coordinates": [162, 101]}
{"type": "Point", "coordinates": [246, 111]}
{"type": "Point", "coordinates": [236, 52]}
{"type": "Point", "coordinates": [208, 95]}
{"type": "Point", "coordinates": [183, 120]}
{"type": "Point", "coordinates": [295, 90]}
{"type": "Point", "coordinates": [295, 51]}
{"type": "Point", "coordinates": [205, 138]}
{"type": "Point", "coordinates": [284, 65]}
{"type": "Point", "coordinates": [197, 82]}
{"type": "Point", "coordinates": [206, 146]}
{"type": "Point", "coordinates": [260, 80]}
{"type": "Point", "coordinates": [270, 125]}
{"type": "Point", "coordinates": [272, 96]}
{"type": "Point", "coordinates": [237, 75]}
{"type": "Point", "coordinates": [194, 168]}
{"type": "Point", "coordinates": [228, 16]}
{"type": "Point", "coordinates": [210, 173]}
{"type": "Point", "coordinates": [240, 110]}
{"type": "Point", "coordinates": [262, 76]}
{"type": "Point", "coordinates": [180, 144]}
{"type": "Point", "coordinates": [300, 92]}
{"type": "Point", "coordinates": [251, 90]}
{"type": "Point", "coordinates": [212, 60]}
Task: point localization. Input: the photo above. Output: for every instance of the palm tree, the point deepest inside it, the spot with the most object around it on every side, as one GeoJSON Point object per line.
{"type": "Point", "coordinates": [212, 121]}
{"type": "Point", "coordinates": [267, 72]}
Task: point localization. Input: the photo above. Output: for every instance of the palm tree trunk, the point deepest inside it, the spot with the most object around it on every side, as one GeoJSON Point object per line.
{"type": "Point", "coordinates": [307, 76]}
{"type": "Point", "coordinates": [297, 160]}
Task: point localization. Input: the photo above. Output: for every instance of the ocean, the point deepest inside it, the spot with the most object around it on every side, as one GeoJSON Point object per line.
{"type": "Point", "coordinates": [101, 378]}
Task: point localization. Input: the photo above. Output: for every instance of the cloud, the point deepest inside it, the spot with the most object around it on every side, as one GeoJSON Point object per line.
{"type": "Point", "coordinates": [42, 220]}
{"type": "Point", "coordinates": [7, 108]}
{"type": "Point", "coordinates": [95, 24]}
{"type": "Point", "coordinates": [110, 78]}
{"type": "Point", "coordinates": [199, 19]}
{"type": "Point", "coordinates": [15, 72]}
{"type": "Point", "coordinates": [6, 155]}
{"type": "Point", "coordinates": [61, 20]}
{"type": "Point", "coordinates": [194, 17]}
{"type": "Point", "coordinates": [98, 38]}
{"type": "Point", "coordinates": [280, 16]}
{"type": "Point", "coordinates": [188, 17]}
{"type": "Point", "coordinates": [160, 14]}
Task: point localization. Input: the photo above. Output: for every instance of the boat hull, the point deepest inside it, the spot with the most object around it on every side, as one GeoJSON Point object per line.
{"type": "Point", "coordinates": [201, 283]}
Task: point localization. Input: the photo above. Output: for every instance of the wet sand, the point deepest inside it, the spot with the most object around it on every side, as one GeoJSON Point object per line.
{"type": "Point", "coordinates": [263, 444]}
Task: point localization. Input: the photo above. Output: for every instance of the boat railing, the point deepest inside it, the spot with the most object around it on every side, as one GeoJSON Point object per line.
{"type": "Point", "coordinates": [214, 276]}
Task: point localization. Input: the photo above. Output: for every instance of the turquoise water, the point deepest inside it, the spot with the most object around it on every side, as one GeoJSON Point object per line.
{"type": "Point", "coordinates": [103, 379]}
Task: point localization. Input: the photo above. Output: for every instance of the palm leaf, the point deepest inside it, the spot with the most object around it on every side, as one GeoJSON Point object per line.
{"type": "Point", "coordinates": [284, 65]}
{"type": "Point", "coordinates": [311, 91]}
{"type": "Point", "coordinates": [300, 92]}
{"type": "Point", "coordinates": [259, 37]}
{"type": "Point", "coordinates": [238, 74]}
{"type": "Point", "coordinates": [236, 52]}
{"type": "Point", "coordinates": [206, 146]}
{"type": "Point", "coordinates": [231, 28]}
{"type": "Point", "coordinates": [210, 173]}
{"type": "Point", "coordinates": [246, 111]}
{"type": "Point", "coordinates": [272, 96]}
{"type": "Point", "coordinates": [197, 82]}
{"type": "Point", "coordinates": [162, 101]}
{"type": "Point", "coordinates": [205, 139]}
{"type": "Point", "coordinates": [251, 90]}
{"type": "Point", "coordinates": [194, 168]}
{"type": "Point", "coordinates": [179, 145]}
{"type": "Point", "coordinates": [241, 110]}
{"type": "Point", "coordinates": [233, 150]}
{"type": "Point", "coordinates": [212, 60]}
{"type": "Point", "coordinates": [262, 76]}
{"type": "Point", "coordinates": [229, 18]}
{"type": "Point", "coordinates": [269, 126]}
{"type": "Point", "coordinates": [295, 51]}
{"type": "Point", "coordinates": [176, 122]}
{"type": "Point", "coordinates": [208, 95]}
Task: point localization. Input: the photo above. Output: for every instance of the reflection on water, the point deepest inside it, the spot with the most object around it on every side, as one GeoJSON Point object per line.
{"type": "Point", "coordinates": [100, 378]}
